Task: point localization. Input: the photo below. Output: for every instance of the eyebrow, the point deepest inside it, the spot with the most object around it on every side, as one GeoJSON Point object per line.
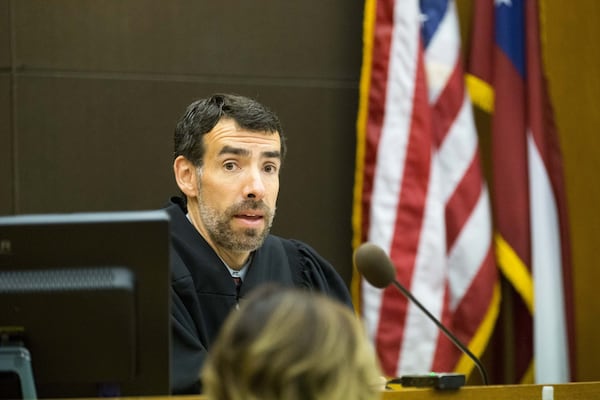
{"type": "Point", "coordinates": [245, 152]}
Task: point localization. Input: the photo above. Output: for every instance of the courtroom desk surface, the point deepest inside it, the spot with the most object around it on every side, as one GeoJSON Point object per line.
{"type": "Point", "coordinates": [565, 391]}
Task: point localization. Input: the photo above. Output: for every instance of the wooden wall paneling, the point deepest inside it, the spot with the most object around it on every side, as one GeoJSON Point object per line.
{"type": "Point", "coordinates": [113, 150]}
{"type": "Point", "coordinates": [6, 137]}
{"type": "Point", "coordinates": [572, 57]}
{"type": "Point", "coordinates": [100, 78]}
{"type": "Point", "coordinates": [273, 39]}
{"type": "Point", "coordinates": [6, 144]}
{"type": "Point", "coordinates": [93, 144]}
{"type": "Point", "coordinates": [4, 35]}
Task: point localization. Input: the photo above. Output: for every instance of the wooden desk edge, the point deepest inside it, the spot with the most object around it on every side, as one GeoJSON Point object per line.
{"type": "Point", "coordinates": [562, 391]}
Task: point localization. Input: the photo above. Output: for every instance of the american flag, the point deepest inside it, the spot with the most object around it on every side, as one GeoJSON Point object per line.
{"type": "Point", "coordinates": [420, 192]}
{"type": "Point", "coordinates": [529, 200]}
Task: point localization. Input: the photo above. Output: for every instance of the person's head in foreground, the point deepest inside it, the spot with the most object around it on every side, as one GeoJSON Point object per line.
{"type": "Point", "coordinates": [291, 344]}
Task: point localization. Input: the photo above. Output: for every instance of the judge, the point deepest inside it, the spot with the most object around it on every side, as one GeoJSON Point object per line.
{"type": "Point", "coordinates": [228, 153]}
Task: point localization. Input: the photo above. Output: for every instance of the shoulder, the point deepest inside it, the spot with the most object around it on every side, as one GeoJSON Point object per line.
{"type": "Point", "coordinates": [303, 253]}
{"type": "Point", "coordinates": [311, 269]}
{"type": "Point", "coordinates": [184, 235]}
{"type": "Point", "coordinates": [188, 248]}
{"type": "Point", "coordinates": [298, 253]}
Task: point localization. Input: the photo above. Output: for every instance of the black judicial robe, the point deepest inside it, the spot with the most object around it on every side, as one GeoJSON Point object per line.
{"type": "Point", "coordinates": [203, 292]}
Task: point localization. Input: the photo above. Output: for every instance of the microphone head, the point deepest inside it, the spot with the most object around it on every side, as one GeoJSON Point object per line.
{"type": "Point", "coordinates": [372, 262]}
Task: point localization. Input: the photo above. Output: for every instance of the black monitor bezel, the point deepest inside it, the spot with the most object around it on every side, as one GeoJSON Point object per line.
{"type": "Point", "coordinates": [138, 240]}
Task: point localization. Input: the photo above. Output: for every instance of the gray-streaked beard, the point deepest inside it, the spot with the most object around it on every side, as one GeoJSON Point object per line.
{"type": "Point", "coordinates": [220, 231]}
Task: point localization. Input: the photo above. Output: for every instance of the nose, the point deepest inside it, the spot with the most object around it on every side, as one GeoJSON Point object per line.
{"type": "Point", "coordinates": [254, 187]}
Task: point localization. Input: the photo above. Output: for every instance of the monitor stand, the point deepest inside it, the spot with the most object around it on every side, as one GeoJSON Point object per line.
{"type": "Point", "coordinates": [15, 358]}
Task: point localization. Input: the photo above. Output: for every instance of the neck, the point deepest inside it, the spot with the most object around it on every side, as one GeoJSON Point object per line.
{"type": "Point", "coordinates": [234, 260]}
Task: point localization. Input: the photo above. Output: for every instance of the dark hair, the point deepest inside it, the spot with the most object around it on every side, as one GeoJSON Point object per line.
{"type": "Point", "coordinates": [202, 115]}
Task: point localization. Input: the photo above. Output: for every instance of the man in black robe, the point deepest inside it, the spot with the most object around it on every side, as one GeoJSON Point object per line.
{"type": "Point", "coordinates": [228, 152]}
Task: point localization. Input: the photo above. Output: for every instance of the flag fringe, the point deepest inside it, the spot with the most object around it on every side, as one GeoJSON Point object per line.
{"type": "Point", "coordinates": [361, 128]}
{"type": "Point", "coordinates": [515, 270]}
{"type": "Point", "coordinates": [528, 377]}
{"type": "Point", "coordinates": [482, 336]}
{"type": "Point", "coordinates": [481, 92]}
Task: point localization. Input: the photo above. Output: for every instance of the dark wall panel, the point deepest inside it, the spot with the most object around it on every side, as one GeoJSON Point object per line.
{"type": "Point", "coordinates": [107, 145]}
{"type": "Point", "coordinates": [265, 39]}
{"type": "Point", "coordinates": [4, 34]}
{"type": "Point", "coordinates": [315, 203]}
{"type": "Point", "coordinates": [6, 179]}
{"type": "Point", "coordinates": [101, 84]}
{"type": "Point", "coordinates": [93, 144]}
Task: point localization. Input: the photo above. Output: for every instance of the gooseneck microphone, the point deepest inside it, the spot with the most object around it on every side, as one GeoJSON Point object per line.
{"type": "Point", "coordinates": [379, 271]}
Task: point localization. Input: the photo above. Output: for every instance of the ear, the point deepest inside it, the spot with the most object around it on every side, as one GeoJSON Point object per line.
{"type": "Point", "coordinates": [185, 176]}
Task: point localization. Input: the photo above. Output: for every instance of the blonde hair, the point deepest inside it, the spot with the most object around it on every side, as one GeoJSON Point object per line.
{"type": "Point", "coordinates": [291, 344]}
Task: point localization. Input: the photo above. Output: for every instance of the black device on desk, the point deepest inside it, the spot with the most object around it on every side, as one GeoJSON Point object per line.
{"type": "Point", "coordinates": [84, 297]}
{"type": "Point", "coordinates": [441, 381]}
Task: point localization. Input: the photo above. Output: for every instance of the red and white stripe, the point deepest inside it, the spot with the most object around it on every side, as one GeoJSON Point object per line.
{"type": "Point", "coordinates": [470, 261]}
{"type": "Point", "coordinates": [550, 247]}
{"type": "Point", "coordinates": [428, 205]}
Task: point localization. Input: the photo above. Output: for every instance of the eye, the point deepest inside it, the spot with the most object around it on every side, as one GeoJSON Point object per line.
{"type": "Point", "coordinates": [270, 168]}
{"type": "Point", "coordinates": [230, 166]}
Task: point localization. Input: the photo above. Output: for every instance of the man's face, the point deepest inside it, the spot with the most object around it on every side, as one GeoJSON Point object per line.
{"type": "Point", "coordinates": [238, 185]}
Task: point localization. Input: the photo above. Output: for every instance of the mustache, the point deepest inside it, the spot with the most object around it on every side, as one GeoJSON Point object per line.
{"type": "Point", "coordinates": [249, 204]}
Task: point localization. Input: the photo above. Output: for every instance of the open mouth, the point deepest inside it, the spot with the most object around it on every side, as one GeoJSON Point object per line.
{"type": "Point", "coordinates": [249, 215]}
{"type": "Point", "coordinates": [249, 218]}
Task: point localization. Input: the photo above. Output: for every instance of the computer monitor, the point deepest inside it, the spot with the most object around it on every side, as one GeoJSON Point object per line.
{"type": "Point", "coordinates": [87, 294]}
